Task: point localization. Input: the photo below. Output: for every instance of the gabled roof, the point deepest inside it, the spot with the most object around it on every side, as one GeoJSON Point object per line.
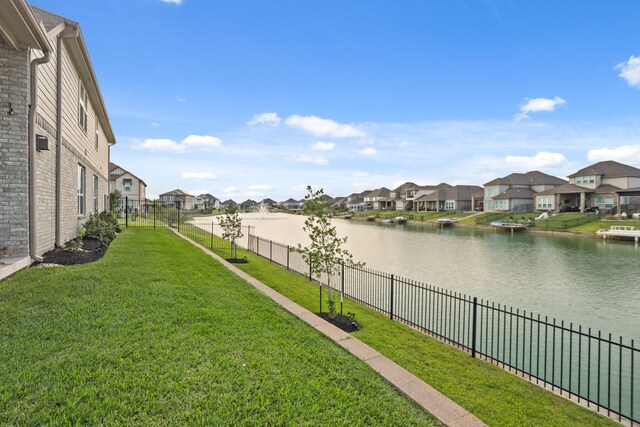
{"type": "Point", "coordinates": [269, 201]}
{"type": "Point", "coordinates": [176, 192]}
{"type": "Point", "coordinates": [529, 178]}
{"type": "Point", "coordinates": [338, 201]}
{"type": "Point", "coordinates": [516, 193]}
{"type": "Point", "coordinates": [404, 187]}
{"type": "Point", "coordinates": [207, 196]}
{"type": "Point", "coordinates": [608, 168]}
{"type": "Point", "coordinates": [607, 188]}
{"type": "Point", "coordinates": [379, 192]}
{"type": "Point", "coordinates": [289, 201]}
{"type": "Point", "coordinates": [457, 192]}
{"type": "Point", "coordinates": [114, 175]}
{"type": "Point", "coordinates": [77, 50]}
{"type": "Point", "coordinates": [565, 189]}
{"type": "Point", "coordinates": [229, 202]}
{"type": "Point", "coordinates": [249, 202]}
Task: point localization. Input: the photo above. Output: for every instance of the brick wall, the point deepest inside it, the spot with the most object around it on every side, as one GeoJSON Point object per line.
{"type": "Point", "coordinates": [14, 184]}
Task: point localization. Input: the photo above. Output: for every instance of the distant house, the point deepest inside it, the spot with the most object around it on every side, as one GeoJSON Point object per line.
{"type": "Point", "coordinates": [291, 205]}
{"type": "Point", "coordinates": [227, 203]}
{"type": "Point", "coordinates": [401, 198]}
{"type": "Point", "coordinates": [377, 198]}
{"type": "Point", "coordinates": [607, 186]}
{"type": "Point", "coordinates": [516, 192]}
{"type": "Point", "coordinates": [355, 202]}
{"type": "Point", "coordinates": [338, 203]}
{"type": "Point", "coordinates": [458, 198]}
{"type": "Point", "coordinates": [269, 202]}
{"type": "Point", "coordinates": [55, 133]}
{"type": "Point", "coordinates": [206, 201]}
{"type": "Point", "coordinates": [179, 199]}
{"type": "Point", "coordinates": [128, 184]}
{"type": "Point", "coordinates": [248, 205]}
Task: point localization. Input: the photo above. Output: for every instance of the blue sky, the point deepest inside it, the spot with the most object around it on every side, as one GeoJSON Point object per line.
{"type": "Point", "coordinates": [253, 99]}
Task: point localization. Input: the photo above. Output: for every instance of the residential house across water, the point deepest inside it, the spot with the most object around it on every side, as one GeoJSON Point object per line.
{"type": "Point", "coordinates": [179, 199]}
{"type": "Point", "coordinates": [516, 192]}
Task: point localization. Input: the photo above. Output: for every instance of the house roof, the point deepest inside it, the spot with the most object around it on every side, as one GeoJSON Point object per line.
{"type": "Point", "coordinates": [379, 192]}
{"type": "Point", "coordinates": [529, 178]}
{"type": "Point", "coordinates": [565, 189]}
{"type": "Point", "coordinates": [269, 201]}
{"type": "Point", "coordinates": [207, 196]}
{"type": "Point", "coordinates": [77, 50]}
{"type": "Point", "coordinates": [249, 202]}
{"type": "Point", "coordinates": [607, 188]}
{"type": "Point", "coordinates": [516, 193]}
{"type": "Point", "coordinates": [176, 192]}
{"type": "Point", "coordinates": [230, 201]}
{"type": "Point", "coordinates": [20, 27]}
{"type": "Point", "coordinates": [404, 187]}
{"type": "Point", "coordinates": [338, 201]}
{"type": "Point", "coordinates": [457, 192]}
{"type": "Point", "coordinates": [113, 175]}
{"type": "Point", "coordinates": [609, 168]}
{"type": "Point", "coordinates": [289, 201]}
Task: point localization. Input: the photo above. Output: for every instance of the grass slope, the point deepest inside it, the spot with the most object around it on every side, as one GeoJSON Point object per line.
{"type": "Point", "coordinates": [156, 333]}
{"type": "Point", "coordinates": [496, 397]}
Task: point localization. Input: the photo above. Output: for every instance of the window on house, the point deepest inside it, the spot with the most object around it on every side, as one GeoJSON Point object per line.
{"type": "Point", "coordinates": [585, 179]}
{"type": "Point", "coordinates": [127, 184]}
{"type": "Point", "coordinates": [95, 194]}
{"type": "Point", "coordinates": [491, 191]}
{"type": "Point", "coordinates": [449, 205]}
{"type": "Point", "coordinates": [502, 204]}
{"type": "Point", "coordinates": [82, 188]}
{"type": "Point", "coordinates": [82, 106]}
{"type": "Point", "coordinates": [624, 200]}
{"type": "Point", "coordinates": [544, 202]}
{"type": "Point", "coordinates": [97, 131]}
{"type": "Point", "coordinates": [604, 202]}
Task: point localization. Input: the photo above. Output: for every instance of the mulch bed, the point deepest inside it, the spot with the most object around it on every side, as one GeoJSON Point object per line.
{"type": "Point", "coordinates": [91, 251]}
{"type": "Point", "coordinates": [346, 323]}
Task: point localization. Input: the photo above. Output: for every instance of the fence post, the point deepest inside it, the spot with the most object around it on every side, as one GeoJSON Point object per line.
{"type": "Point", "coordinates": [178, 219]}
{"type": "Point", "coordinates": [211, 244]}
{"type": "Point", "coordinates": [310, 275]}
{"type": "Point", "coordinates": [288, 256]}
{"type": "Point", "coordinates": [258, 246]}
{"type": "Point", "coordinates": [341, 288]}
{"type": "Point", "coordinates": [473, 328]}
{"type": "Point", "coordinates": [155, 214]}
{"type": "Point", "coordinates": [126, 211]}
{"type": "Point", "coordinates": [249, 238]}
{"type": "Point", "coordinates": [270, 250]}
{"type": "Point", "coordinates": [391, 302]}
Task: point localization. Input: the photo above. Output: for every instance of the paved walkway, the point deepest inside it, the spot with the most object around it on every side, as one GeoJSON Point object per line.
{"type": "Point", "coordinates": [434, 402]}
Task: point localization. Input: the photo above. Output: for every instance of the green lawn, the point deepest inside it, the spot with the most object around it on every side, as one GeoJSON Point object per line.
{"type": "Point", "coordinates": [493, 395]}
{"type": "Point", "coordinates": [156, 333]}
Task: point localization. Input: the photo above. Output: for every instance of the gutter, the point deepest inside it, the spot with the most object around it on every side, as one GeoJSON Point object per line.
{"type": "Point", "coordinates": [33, 230]}
{"type": "Point", "coordinates": [61, 36]}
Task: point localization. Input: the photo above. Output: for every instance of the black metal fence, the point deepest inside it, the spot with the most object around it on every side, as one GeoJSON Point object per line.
{"type": "Point", "coordinates": [582, 364]}
{"type": "Point", "coordinates": [560, 224]}
{"type": "Point", "coordinates": [579, 363]}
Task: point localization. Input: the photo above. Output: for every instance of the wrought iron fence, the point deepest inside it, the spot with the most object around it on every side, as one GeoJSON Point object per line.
{"type": "Point", "coordinates": [578, 362]}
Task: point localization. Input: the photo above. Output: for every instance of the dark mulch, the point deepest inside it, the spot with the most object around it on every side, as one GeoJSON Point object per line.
{"type": "Point", "coordinates": [91, 251]}
{"type": "Point", "coordinates": [346, 323]}
{"type": "Point", "coordinates": [237, 260]}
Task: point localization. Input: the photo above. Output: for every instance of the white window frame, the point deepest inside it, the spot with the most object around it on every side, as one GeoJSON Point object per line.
{"type": "Point", "coordinates": [491, 191]}
{"type": "Point", "coordinates": [82, 106]}
{"type": "Point", "coordinates": [604, 202]}
{"type": "Point", "coordinates": [82, 189]}
{"type": "Point", "coordinates": [449, 205]}
{"type": "Point", "coordinates": [545, 202]}
{"type": "Point", "coordinates": [95, 194]}
{"type": "Point", "coordinates": [501, 205]}
{"type": "Point", "coordinates": [625, 200]}
{"type": "Point", "coordinates": [590, 179]}
{"type": "Point", "coordinates": [124, 184]}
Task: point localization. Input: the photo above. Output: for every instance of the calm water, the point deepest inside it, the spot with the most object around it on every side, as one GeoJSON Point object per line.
{"type": "Point", "coordinates": [585, 281]}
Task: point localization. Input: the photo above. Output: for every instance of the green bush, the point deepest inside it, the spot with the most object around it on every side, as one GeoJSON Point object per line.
{"type": "Point", "coordinates": [102, 227]}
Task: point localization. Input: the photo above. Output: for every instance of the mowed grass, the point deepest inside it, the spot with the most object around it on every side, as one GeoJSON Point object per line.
{"type": "Point", "coordinates": [496, 397]}
{"type": "Point", "coordinates": [157, 333]}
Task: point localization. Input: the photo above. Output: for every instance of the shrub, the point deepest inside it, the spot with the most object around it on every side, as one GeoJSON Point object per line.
{"type": "Point", "coordinates": [102, 227]}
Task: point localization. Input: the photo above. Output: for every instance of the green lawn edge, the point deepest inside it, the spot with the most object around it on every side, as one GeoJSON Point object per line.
{"type": "Point", "coordinates": [157, 333]}
{"type": "Point", "coordinates": [495, 396]}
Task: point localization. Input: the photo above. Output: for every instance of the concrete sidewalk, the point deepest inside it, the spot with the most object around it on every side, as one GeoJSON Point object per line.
{"type": "Point", "coordinates": [434, 402]}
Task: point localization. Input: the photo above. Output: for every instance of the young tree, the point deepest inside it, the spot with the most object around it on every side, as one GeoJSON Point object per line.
{"type": "Point", "coordinates": [231, 227]}
{"type": "Point", "coordinates": [325, 254]}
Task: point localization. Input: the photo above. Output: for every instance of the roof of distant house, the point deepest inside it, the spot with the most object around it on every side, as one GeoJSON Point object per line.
{"type": "Point", "coordinates": [176, 192]}
{"type": "Point", "coordinates": [529, 178]}
{"type": "Point", "coordinates": [516, 193]}
{"type": "Point", "coordinates": [609, 168]}
{"type": "Point", "coordinates": [113, 175]}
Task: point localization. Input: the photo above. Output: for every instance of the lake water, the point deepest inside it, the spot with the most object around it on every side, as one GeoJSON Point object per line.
{"type": "Point", "coordinates": [585, 281]}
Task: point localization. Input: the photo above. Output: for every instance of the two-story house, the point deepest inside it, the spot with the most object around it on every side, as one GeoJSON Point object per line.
{"type": "Point", "coordinates": [377, 199]}
{"type": "Point", "coordinates": [55, 133]}
{"type": "Point", "coordinates": [457, 198]}
{"type": "Point", "coordinates": [179, 199]}
{"type": "Point", "coordinates": [206, 201]}
{"type": "Point", "coordinates": [516, 192]}
{"type": "Point", "coordinates": [607, 186]}
{"type": "Point", "coordinates": [401, 197]}
{"type": "Point", "coordinates": [131, 188]}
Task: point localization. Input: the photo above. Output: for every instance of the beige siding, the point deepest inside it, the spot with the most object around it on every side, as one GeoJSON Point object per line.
{"type": "Point", "coordinates": [618, 182]}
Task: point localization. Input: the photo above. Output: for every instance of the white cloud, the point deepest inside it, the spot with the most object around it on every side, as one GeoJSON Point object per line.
{"type": "Point", "coordinates": [316, 160]}
{"type": "Point", "coordinates": [630, 71]}
{"type": "Point", "coordinates": [155, 125]}
{"type": "Point", "coordinates": [369, 151]}
{"type": "Point", "coordinates": [172, 1]}
{"type": "Point", "coordinates": [160, 145]}
{"type": "Point", "coordinates": [202, 141]}
{"type": "Point", "coordinates": [538, 104]}
{"type": "Point", "coordinates": [541, 160]}
{"type": "Point", "coordinates": [181, 99]}
{"type": "Point", "coordinates": [324, 127]}
{"type": "Point", "coordinates": [269, 119]}
{"type": "Point", "coordinates": [404, 143]}
{"type": "Point", "coordinates": [361, 174]}
{"type": "Point", "coordinates": [623, 153]}
{"type": "Point", "coordinates": [199, 176]}
{"type": "Point", "coordinates": [323, 146]}
{"type": "Point", "coordinates": [260, 187]}
{"type": "Point", "coordinates": [229, 190]}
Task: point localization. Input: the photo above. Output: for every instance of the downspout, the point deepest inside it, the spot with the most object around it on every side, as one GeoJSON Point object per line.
{"type": "Point", "coordinates": [72, 35]}
{"type": "Point", "coordinates": [33, 233]}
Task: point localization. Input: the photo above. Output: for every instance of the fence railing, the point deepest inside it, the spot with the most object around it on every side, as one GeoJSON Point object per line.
{"type": "Point", "coordinates": [578, 362]}
{"type": "Point", "coordinates": [559, 224]}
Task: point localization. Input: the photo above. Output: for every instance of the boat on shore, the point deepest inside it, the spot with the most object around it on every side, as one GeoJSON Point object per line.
{"type": "Point", "coordinates": [400, 219]}
{"type": "Point", "coordinates": [508, 226]}
{"type": "Point", "coordinates": [445, 222]}
{"type": "Point", "coordinates": [371, 218]}
{"type": "Point", "coordinates": [621, 232]}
